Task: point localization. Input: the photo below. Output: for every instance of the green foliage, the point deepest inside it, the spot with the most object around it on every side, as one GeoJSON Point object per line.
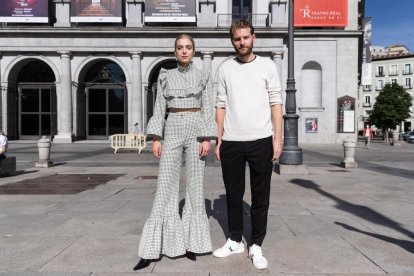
{"type": "Point", "coordinates": [392, 106]}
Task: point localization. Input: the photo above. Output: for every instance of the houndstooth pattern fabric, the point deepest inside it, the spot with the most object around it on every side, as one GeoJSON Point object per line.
{"type": "Point", "coordinates": [184, 87]}
{"type": "Point", "coordinates": [164, 231]}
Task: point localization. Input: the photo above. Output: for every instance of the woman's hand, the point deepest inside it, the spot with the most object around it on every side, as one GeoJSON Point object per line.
{"type": "Point", "coordinates": [204, 149]}
{"type": "Point", "coordinates": [156, 148]}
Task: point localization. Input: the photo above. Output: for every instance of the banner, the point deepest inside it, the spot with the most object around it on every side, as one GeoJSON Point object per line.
{"type": "Point", "coordinates": [170, 11]}
{"type": "Point", "coordinates": [96, 11]}
{"type": "Point", "coordinates": [366, 70]}
{"type": "Point", "coordinates": [321, 13]}
{"type": "Point", "coordinates": [24, 11]}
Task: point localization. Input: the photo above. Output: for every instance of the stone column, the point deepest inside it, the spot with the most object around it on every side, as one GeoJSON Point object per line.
{"type": "Point", "coordinates": [134, 11]}
{"type": "Point", "coordinates": [207, 58]}
{"type": "Point", "coordinates": [3, 91]}
{"type": "Point", "coordinates": [62, 13]}
{"type": "Point", "coordinates": [136, 93]}
{"type": "Point", "coordinates": [277, 57]}
{"type": "Point", "coordinates": [64, 100]}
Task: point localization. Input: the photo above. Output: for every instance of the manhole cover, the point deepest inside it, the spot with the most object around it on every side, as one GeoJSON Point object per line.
{"type": "Point", "coordinates": [57, 184]}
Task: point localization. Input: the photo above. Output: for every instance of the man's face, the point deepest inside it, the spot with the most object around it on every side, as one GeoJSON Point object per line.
{"type": "Point", "coordinates": [242, 41]}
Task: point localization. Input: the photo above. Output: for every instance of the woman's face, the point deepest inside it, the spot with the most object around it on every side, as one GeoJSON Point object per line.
{"type": "Point", "coordinates": [184, 51]}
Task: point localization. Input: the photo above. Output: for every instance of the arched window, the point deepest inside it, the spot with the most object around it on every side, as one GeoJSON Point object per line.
{"type": "Point", "coordinates": [311, 81]}
{"type": "Point", "coordinates": [105, 72]}
{"type": "Point", "coordinates": [36, 71]}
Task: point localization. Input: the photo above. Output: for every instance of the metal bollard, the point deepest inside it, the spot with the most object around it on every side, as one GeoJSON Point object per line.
{"type": "Point", "coordinates": [349, 154]}
{"type": "Point", "coordinates": [44, 145]}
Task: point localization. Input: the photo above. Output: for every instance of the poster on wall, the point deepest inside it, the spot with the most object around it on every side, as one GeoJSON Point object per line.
{"type": "Point", "coordinates": [311, 125]}
{"type": "Point", "coordinates": [95, 11]}
{"type": "Point", "coordinates": [346, 114]}
{"type": "Point", "coordinates": [321, 13]}
{"type": "Point", "coordinates": [170, 11]}
{"type": "Point", "coordinates": [21, 11]}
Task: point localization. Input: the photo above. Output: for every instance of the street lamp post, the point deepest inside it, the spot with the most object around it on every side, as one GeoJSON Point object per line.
{"type": "Point", "coordinates": [292, 154]}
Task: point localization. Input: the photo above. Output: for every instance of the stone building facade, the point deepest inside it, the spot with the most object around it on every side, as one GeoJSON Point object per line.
{"type": "Point", "coordinates": [88, 80]}
{"type": "Point", "coordinates": [389, 64]}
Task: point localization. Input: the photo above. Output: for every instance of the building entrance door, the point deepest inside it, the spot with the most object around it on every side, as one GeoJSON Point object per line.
{"type": "Point", "coordinates": [105, 110]}
{"type": "Point", "coordinates": [37, 110]}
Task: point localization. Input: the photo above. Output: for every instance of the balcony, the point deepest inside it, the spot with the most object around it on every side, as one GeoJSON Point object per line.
{"type": "Point", "coordinates": [379, 74]}
{"type": "Point", "coordinates": [366, 104]}
{"type": "Point", "coordinates": [407, 71]}
{"type": "Point", "coordinates": [393, 73]}
{"type": "Point", "coordinates": [257, 20]}
{"type": "Point", "coordinates": [408, 86]}
{"type": "Point", "coordinates": [378, 88]}
{"type": "Point", "coordinates": [366, 88]}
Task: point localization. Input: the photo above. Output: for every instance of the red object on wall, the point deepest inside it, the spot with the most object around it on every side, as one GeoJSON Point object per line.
{"type": "Point", "coordinates": [321, 13]}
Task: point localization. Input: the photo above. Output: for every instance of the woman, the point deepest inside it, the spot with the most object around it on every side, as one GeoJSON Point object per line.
{"type": "Point", "coordinates": [186, 93]}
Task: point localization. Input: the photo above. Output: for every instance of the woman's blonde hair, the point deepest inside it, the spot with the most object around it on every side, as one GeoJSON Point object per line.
{"type": "Point", "coordinates": [184, 36]}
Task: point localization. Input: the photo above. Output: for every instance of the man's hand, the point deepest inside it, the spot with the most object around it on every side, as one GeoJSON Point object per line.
{"type": "Point", "coordinates": [217, 151]}
{"type": "Point", "coordinates": [277, 149]}
{"type": "Point", "coordinates": [156, 149]}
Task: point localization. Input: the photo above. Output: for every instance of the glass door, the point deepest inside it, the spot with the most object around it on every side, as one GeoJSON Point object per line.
{"type": "Point", "coordinates": [105, 111]}
{"type": "Point", "coordinates": [242, 7]}
{"type": "Point", "coordinates": [37, 111]}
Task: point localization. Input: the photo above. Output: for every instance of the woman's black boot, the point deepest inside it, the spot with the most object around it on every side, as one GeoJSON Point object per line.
{"type": "Point", "coordinates": [190, 255]}
{"type": "Point", "coordinates": [142, 264]}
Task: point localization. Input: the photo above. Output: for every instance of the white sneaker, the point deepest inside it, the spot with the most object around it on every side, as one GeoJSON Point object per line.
{"type": "Point", "coordinates": [230, 247]}
{"type": "Point", "coordinates": [255, 253]}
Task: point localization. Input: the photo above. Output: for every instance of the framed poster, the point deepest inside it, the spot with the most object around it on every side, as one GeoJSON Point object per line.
{"type": "Point", "coordinates": [346, 114]}
{"type": "Point", "coordinates": [21, 11]}
{"type": "Point", "coordinates": [170, 11]}
{"type": "Point", "coordinates": [96, 11]}
{"type": "Point", "coordinates": [311, 125]}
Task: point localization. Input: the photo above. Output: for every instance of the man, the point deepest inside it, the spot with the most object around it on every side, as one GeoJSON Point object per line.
{"type": "Point", "coordinates": [4, 143]}
{"type": "Point", "coordinates": [249, 99]}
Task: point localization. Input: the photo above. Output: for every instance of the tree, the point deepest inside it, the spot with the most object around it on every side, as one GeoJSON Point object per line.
{"type": "Point", "coordinates": [392, 106]}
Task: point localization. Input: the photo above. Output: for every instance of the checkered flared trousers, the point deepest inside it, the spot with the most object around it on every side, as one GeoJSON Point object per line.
{"type": "Point", "coordinates": [164, 231]}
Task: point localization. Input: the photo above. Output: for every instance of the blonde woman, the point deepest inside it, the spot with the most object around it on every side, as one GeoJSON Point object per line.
{"type": "Point", "coordinates": [186, 94]}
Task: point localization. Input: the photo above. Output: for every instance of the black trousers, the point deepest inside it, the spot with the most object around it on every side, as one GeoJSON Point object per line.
{"type": "Point", "coordinates": [234, 155]}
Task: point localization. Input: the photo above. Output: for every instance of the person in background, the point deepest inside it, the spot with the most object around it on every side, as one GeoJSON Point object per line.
{"type": "Point", "coordinates": [4, 143]}
{"type": "Point", "coordinates": [249, 123]}
{"type": "Point", "coordinates": [186, 94]}
{"type": "Point", "coordinates": [368, 135]}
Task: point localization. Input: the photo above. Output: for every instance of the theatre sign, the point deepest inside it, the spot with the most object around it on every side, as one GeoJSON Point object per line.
{"type": "Point", "coordinates": [321, 13]}
{"type": "Point", "coordinates": [170, 11]}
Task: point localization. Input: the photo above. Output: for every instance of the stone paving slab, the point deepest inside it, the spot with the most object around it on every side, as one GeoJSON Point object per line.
{"type": "Point", "coordinates": [30, 225]}
{"type": "Point", "coordinates": [391, 254]}
{"type": "Point", "coordinates": [25, 253]}
{"type": "Point", "coordinates": [97, 254]}
{"type": "Point", "coordinates": [317, 255]}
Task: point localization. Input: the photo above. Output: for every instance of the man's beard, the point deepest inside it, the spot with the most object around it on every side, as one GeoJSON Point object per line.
{"type": "Point", "coordinates": [247, 50]}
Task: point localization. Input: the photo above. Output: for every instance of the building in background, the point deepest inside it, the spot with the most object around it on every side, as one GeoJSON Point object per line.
{"type": "Point", "coordinates": [389, 64]}
{"type": "Point", "coordinates": [88, 69]}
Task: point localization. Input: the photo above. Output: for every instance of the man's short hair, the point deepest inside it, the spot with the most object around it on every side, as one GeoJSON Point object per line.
{"type": "Point", "coordinates": [241, 24]}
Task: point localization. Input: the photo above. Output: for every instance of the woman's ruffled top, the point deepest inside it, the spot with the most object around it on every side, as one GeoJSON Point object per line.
{"type": "Point", "coordinates": [183, 87]}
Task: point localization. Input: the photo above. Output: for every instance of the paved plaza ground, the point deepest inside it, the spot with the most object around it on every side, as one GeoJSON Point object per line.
{"type": "Point", "coordinates": [84, 216]}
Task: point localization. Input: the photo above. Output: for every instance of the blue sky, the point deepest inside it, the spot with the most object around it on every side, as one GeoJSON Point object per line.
{"type": "Point", "coordinates": [392, 22]}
